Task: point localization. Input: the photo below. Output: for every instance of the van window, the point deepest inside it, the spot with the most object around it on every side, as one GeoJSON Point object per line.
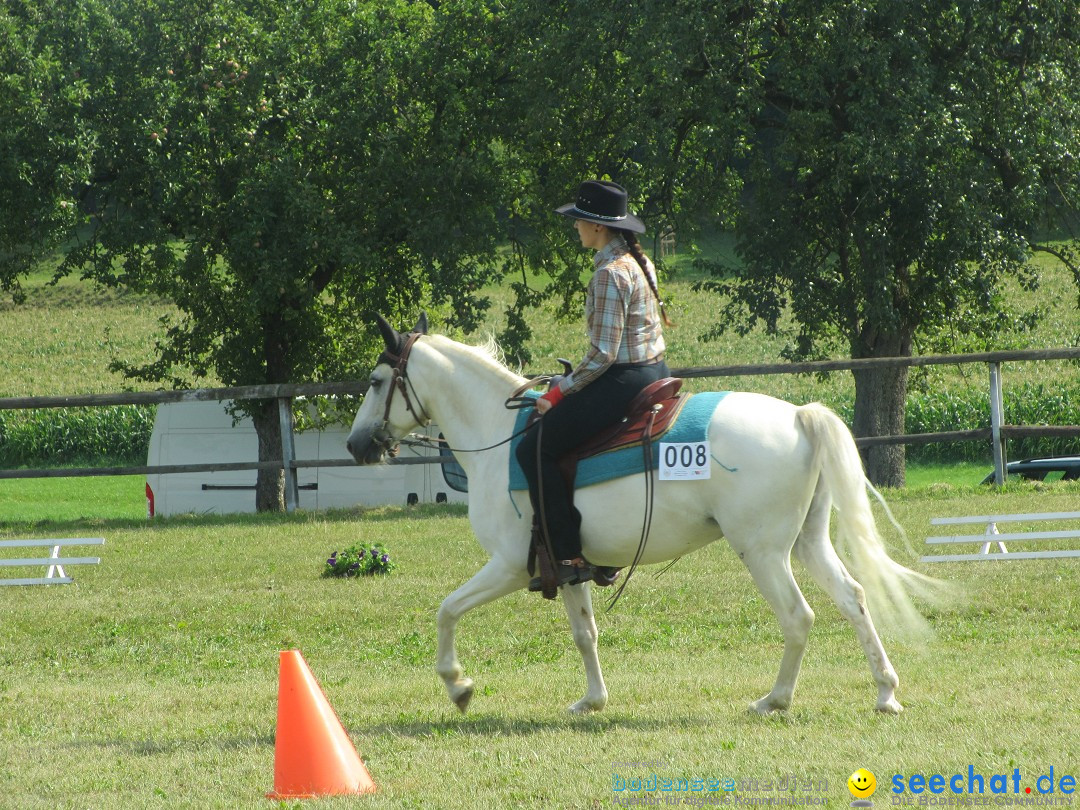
{"type": "Point", "coordinates": [453, 474]}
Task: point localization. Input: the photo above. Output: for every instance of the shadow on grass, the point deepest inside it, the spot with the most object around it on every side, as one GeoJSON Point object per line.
{"type": "Point", "coordinates": [479, 725]}
{"type": "Point", "coordinates": [488, 725]}
{"type": "Point", "coordinates": [152, 746]}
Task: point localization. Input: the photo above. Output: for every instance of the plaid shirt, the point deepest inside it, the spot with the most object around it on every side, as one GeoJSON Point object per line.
{"type": "Point", "coordinates": [622, 316]}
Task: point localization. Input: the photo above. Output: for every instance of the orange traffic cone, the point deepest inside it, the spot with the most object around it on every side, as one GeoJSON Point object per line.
{"type": "Point", "coordinates": [313, 756]}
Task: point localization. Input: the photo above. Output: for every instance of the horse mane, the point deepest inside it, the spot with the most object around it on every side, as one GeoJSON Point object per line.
{"type": "Point", "coordinates": [490, 346]}
{"type": "Point", "coordinates": [488, 353]}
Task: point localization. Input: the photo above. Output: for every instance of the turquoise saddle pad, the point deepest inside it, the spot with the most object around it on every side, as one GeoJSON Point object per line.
{"type": "Point", "coordinates": [690, 426]}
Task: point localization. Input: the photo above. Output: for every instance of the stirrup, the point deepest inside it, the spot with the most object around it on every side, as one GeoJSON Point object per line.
{"type": "Point", "coordinates": [567, 572]}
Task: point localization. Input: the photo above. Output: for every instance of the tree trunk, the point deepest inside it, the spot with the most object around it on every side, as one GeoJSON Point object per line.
{"type": "Point", "coordinates": [270, 484]}
{"type": "Point", "coordinates": [880, 400]}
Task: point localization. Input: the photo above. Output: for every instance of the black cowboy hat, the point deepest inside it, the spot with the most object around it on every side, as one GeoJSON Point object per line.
{"type": "Point", "coordinates": [605, 203]}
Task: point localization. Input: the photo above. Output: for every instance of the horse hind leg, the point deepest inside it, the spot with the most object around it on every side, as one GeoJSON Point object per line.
{"type": "Point", "coordinates": [814, 549]}
{"type": "Point", "coordinates": [770, 566]}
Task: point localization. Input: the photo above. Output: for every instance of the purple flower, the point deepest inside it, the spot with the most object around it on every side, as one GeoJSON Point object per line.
{"type": "Point", "coordinates": [385, 558]}
{"type": "Point", "coordinates": [331, 562]}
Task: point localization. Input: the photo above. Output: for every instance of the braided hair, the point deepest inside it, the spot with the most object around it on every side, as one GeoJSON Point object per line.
{"type": "Point", "coordinates": [639, 255]}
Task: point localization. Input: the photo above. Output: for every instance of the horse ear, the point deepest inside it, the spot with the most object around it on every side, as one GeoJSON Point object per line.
{"type": "Point", "coordinates": [421, 324]}
{"type": "Point", "coordinates": [389, 334]}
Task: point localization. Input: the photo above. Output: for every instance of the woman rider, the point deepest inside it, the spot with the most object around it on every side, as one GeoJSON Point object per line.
{"type": "Point", "coordinates": [626, 353]}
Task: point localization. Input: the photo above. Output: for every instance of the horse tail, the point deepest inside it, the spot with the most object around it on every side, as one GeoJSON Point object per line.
{"type": "Point", "coordinates": [888, 585]}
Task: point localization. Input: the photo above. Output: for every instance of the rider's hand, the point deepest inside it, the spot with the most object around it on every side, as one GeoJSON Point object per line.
{"type": "Point", "coordinates": [549, 400]}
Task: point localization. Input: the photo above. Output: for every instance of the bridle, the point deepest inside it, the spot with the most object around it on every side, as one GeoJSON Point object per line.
{"type": "Point", "coordinates": [399, 380]}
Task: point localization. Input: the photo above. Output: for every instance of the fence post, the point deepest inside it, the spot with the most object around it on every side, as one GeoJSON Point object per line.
{"type": "Point", "coordinates": [288, 454]}
{"type": "Point", "coordinates": [997, 416]}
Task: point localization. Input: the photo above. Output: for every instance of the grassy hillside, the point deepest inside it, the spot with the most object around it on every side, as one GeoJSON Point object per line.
{"type": "Point", "coordinates": [62, 339]}
{"type": "Point", "coordinates": [695, 312]}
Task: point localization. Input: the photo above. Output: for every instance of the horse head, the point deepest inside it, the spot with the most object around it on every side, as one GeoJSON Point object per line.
{"type": "Point", "coordinates": [389, 412]}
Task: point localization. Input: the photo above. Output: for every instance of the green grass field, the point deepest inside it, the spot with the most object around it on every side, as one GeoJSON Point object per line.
{"type": "Point", "coordinates": [152, 682]}
{"type": "Point", "coordinates": [63, 500]}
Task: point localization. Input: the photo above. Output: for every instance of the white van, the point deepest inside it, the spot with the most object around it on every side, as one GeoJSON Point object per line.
{"type": "Point", "coordinates": [204, 433]}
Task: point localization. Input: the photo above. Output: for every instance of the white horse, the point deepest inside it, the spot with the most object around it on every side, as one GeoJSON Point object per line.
{"type": "Point", "coordinates": [788, 466]}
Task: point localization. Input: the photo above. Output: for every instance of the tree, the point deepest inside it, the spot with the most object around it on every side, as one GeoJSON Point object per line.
{"type": "Point", "coordinates": [654, 96]}
{"type": "Point", "coordinates": [280, 171]}
{"type": "Point", "coordinates": [909, 155]}
{"type": "Point", "coordinates": [44, 146]}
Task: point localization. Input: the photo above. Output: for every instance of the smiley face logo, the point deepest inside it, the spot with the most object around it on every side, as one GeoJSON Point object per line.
{"type": "Point", "coordinates": [862, 784]}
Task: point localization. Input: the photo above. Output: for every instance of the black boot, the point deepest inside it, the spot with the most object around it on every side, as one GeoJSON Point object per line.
{"type": "Point", "coordinates": [567, 572]}
{"type": "Point", "coordinates": [605, 575]}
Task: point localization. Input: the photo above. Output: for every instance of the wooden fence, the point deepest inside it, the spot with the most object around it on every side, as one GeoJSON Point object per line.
{"type": "Point", "coordinates": [998, 433]}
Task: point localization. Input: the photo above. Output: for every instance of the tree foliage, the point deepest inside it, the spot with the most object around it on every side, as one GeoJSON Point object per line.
{"type": "Point", "coordinates": [887, 165]}
{"type": "Point", "coordinates": [909, 156]}
{"type": "Point", "coordinates": [44, 142]}
{"type": "Point", "coordinates": [280, 171]}
{"type": "Point", "coordinates": [654, 96]}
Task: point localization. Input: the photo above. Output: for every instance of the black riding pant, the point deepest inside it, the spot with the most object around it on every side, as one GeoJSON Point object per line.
{"type": "Point", "coordinates": [575, 420]}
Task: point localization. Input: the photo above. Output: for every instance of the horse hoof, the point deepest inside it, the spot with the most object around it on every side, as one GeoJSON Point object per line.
{"type": "Point", "coordinates": [890, 706]}
{"type": "Point", "coordinates": [587, 706]}
{"type": "Point", "coordinates": [766, 706]}
{"type": "Point", "coordinates": [463, 696]}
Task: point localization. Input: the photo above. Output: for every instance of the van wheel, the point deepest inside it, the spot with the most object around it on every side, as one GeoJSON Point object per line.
{"type": "Point", "coordinates": [413, 499]}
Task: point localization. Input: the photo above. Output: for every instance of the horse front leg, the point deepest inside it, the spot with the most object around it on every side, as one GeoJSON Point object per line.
{"type": "Point", "coordinates": [494, 580]}
{"type": "Point", "coordinates": [577, 600]}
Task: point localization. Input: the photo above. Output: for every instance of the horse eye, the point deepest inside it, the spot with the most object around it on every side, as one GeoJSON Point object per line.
{"type": "Point", "coordinates": [374, 382]}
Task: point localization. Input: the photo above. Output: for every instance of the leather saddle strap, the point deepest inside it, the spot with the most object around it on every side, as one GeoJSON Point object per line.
{"type": "Point", "coordinates": [546, 556]}
{"type": "Point", "coordinates": [650, 493]}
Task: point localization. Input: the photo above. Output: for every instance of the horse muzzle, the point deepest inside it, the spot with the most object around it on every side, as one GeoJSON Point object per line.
{"type": "Point", "coordinates": [371, 446]}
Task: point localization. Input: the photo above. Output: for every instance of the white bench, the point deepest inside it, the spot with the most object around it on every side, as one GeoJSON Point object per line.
{"type": "Point", "coordinates": [991, 536]}
{"type": "Point", "coordinates": [56, 574]}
